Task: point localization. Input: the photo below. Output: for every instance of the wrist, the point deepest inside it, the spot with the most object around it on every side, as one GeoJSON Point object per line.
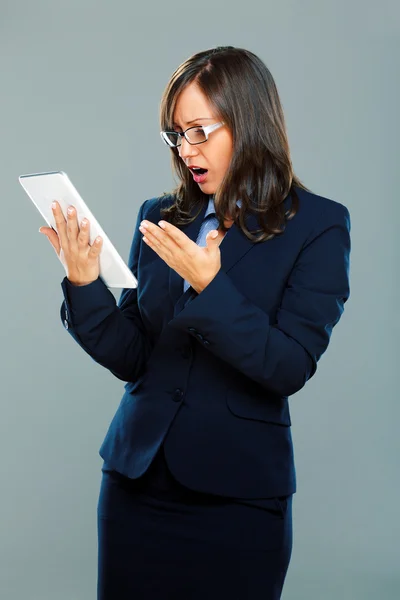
{"type": "Point", "coordinates": [78, 284]}
{"type": "Point", "coordinates": [200, 286]}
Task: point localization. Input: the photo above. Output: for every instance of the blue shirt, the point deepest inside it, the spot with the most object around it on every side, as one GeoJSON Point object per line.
{"type": "Point", "coordinates": [209, 223]}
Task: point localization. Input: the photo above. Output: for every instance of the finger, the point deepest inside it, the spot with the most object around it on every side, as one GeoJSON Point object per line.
{"type": "Point", "coordinates": [72, 229]}
{"type": "Point", "coordinates": [212, 239]}
{"type": "Point", "coordinates": [52, 237]}
{"type": "Point", "coordinates": [161, 242]}
{"type": "Point", "coordinates": [83, 236]}
{"type": "Point", "coordinates": [153, 238]}
{"type": "Point", "coordinates": [61, 224]}
{"type": "Point", "coordinates": [165, 250]}
{"type": "Point", "coordinates": [95, 249]}
{"type": "Point", "coordinates": [149, 228]}
{"type": "Point", "coordinates": [56, 249]}
{"type": "Point", "coordinates": [180, 238]}
{"type": "Point", "coordinates": [151, 242]}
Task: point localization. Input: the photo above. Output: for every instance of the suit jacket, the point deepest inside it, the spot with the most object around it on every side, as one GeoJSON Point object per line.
{"type": "Point", "coordinates": [209, 375]}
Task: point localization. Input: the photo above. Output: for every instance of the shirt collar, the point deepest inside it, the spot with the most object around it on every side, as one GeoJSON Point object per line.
{"type": "Point", "coordinates": [211, 207]}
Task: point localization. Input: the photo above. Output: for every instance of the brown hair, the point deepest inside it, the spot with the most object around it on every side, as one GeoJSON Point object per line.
{"type": "Point", "coordinates": [243, 92]}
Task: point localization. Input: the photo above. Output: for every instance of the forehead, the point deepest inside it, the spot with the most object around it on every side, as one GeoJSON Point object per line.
{"type": "Point", "coordinates": [192, 104]}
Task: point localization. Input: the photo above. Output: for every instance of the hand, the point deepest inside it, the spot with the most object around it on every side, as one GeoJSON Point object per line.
{"type": "Point", "coordinates": [71, 244]}
{"type": "Point", "coordinates": [197, 265]}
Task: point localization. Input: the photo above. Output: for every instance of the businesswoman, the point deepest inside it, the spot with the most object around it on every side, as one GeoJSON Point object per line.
{"type": "Point", "coordinates": [242, 275]}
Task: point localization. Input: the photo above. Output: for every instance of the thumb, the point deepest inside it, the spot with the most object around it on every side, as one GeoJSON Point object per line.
{"type": "Point", "coordinates": [53, 238]}
{"type": "Point", "coordinates": [212, 239]}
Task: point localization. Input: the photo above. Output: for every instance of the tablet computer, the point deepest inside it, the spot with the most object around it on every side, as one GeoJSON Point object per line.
{"type": "Point", "coordinates": [43, 188]}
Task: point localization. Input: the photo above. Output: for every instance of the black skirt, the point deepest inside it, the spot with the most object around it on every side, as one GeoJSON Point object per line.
{"type": "Point", "coordinates": [159, 540]}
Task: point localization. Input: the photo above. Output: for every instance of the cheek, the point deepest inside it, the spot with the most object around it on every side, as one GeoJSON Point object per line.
{"type": "Point", "coordinates": [227, 150]}
{"type": "Point", "coordinates": [225, 157]}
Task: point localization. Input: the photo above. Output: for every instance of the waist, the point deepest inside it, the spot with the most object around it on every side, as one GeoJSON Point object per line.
{"type": "Point", "coordinates": [158, 481]}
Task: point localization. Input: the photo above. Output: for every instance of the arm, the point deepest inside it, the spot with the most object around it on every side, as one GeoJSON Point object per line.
{"type": "Point", "coordinates": [113, 335]}
{"type": "Point", "coordinates": [283, 355]}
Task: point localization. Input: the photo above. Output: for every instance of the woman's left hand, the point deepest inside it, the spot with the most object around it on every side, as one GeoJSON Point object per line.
{"type": "Point", "coordinates": [194, 263]}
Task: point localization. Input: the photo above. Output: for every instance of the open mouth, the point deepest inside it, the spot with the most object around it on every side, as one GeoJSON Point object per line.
{"type": "Point", "coordinates": [199, 174]}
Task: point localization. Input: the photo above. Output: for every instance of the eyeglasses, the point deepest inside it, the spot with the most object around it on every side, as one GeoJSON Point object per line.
{"type": "Point", "coordinates": [194, 135]}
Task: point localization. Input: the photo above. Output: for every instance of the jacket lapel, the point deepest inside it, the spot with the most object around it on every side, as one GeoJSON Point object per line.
{"type": "Point", "coordinates": [192, 231]}
{"type": "Point", "coordinates": [234, 245]}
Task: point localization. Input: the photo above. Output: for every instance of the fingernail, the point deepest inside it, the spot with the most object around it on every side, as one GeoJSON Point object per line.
{"type": "Point", "coordinates": [54, 205]}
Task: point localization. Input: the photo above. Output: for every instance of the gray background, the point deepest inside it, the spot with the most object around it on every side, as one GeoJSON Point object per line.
{"type": "Point", "coordinates": [81, 83]}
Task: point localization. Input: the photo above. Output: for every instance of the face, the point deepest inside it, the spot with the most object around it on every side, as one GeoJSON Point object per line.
{"type": "Point", "coordinates": [193, 108]}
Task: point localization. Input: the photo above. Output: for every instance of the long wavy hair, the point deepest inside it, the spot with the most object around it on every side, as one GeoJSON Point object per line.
{"type": "Point", "coordinates": [243, 93]}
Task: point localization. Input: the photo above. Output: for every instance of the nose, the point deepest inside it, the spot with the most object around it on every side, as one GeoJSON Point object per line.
{"type": "Point", "coordinates": [186, 150]}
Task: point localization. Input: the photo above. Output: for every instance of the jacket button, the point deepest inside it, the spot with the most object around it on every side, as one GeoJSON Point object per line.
{"type": "Point", "coordinates": [206, 343]}
{"type": "Point", "coordinates": [66, 324]}
{"type": "Point", "coordinates": [177, 395]}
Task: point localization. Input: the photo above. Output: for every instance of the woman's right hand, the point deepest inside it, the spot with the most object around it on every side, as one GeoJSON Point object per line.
{"type": "Point", "coordinates": [71, 244]}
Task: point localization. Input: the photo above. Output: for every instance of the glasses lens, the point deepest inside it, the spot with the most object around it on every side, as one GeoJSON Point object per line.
{"type": "Point", "coordinates": [171, 138]}
{"type": "Point", "coordinates": [196, 135]}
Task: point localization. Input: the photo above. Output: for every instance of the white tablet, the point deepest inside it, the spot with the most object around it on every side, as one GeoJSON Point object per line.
{"type": "Point", "coordinates": [43, 188]}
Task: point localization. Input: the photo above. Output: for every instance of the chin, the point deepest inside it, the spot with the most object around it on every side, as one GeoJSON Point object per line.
{"type": "Point", "coordinates": [207, 188]}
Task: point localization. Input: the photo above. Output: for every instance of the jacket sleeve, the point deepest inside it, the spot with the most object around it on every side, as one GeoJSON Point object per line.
{"type": "Point", "coordinates": [112, 334]}
{"type": "Point", "coordinates": [281, 355]}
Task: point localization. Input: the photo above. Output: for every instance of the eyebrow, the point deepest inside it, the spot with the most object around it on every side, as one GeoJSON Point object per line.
{"type": "Point", "coordinates": [194, 120]}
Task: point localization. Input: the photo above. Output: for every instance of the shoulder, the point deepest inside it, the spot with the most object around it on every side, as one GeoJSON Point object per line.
{"type": "Point", "coordinates": [321, 224]}
{"type": "Point", "coordinates": [320, 210]}
{"type": "Point", "coordinates": [152, 207]}
{"type": "Point", "coordinates": [316, 215]}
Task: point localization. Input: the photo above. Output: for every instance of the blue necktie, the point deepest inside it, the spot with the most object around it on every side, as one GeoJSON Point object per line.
{"type": "Point", "coordinates": [209, 223]}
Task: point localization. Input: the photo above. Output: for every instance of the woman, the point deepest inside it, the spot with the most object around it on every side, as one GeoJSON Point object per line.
{"type": "Point", "coordinates": [242, 274]}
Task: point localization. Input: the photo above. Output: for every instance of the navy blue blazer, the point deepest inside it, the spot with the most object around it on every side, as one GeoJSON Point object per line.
{"type": "Point", "coordinates": [209, 375]}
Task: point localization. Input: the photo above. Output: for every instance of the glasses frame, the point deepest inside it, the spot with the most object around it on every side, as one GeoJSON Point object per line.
{"type": "Point", "coordinates": [207, 130]}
